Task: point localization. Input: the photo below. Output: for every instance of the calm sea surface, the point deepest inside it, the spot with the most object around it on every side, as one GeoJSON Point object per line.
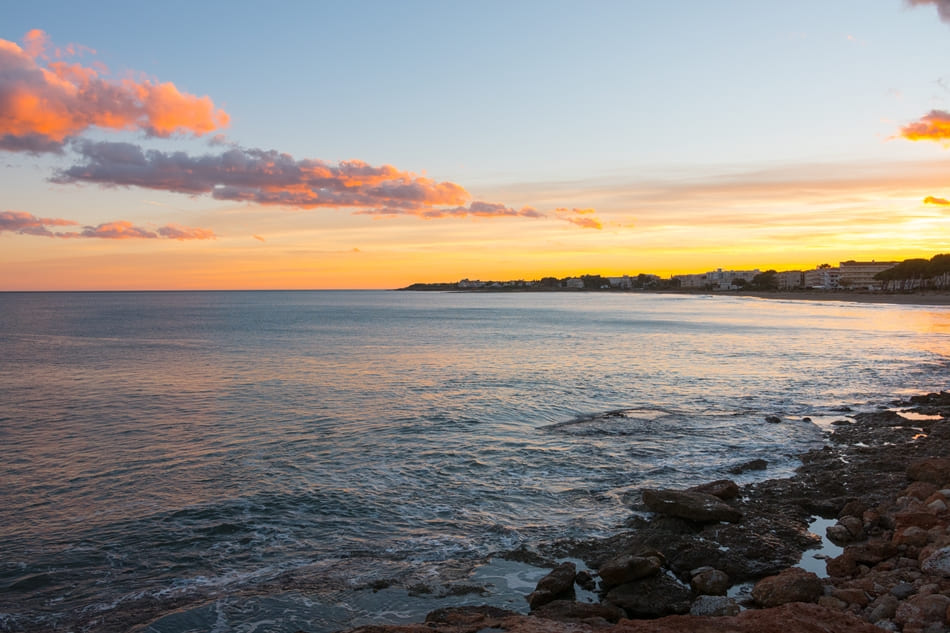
{"type": "Point", "coordinates": [231, 461]}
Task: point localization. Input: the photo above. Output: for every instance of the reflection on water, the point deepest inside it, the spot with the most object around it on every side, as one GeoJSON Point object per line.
{"type": "Point", "coordinates": [178, 444]}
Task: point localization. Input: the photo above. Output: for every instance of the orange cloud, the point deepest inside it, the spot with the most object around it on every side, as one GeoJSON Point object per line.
{"type": "Point", "coordinates": [585, 222]}
{"type": "Point", "coordinates": [27, 224]}
{"type": "Point", "coordinates": [943, 202]}
{"type": "Point", "coordinates": [268, 177]}
{"type": "Point", "coordinates": [934, 126]}
{"type": "Point", "coordinates": [44, 103]}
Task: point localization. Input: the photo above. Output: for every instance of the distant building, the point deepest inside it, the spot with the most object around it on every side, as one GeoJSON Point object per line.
{"type": "Point", "coordinates": [861, 274]}
{"type": "Point", "coordinates": [790, 279]}
{"type": "Point", "coordinates": [465, 283]}
{"type": "Point", "coordinates": [624, 283]}
{"type": "Point", "coordinates": [691, 281]}
{"type": "Point", "coordinates": [822, 278]}
{"type": "Point", "coordinates": [573, 282]}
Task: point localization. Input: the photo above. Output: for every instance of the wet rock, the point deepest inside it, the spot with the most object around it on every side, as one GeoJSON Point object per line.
{"type": "Point", "coordinates": [935, 470]}
{"type": "Point", "coordinates": [714, 606]}
{"type": "Point", "coordinates": [724, 489]}
{"type": "Point", "coordinates": [693, 506]}
{"type": "Point", "coordinates": [919, 612]}
{"type": "Point", "coordinates": [773, 419]}
{"type": "Point", "coordinates": [585, 581]}
{"type": "Point", "coordinates": [792, 585]}
{"type": "Point", "coordinates": [755, 464]}
{"type": "Point", "coordinates": [559, 584]}
{"type": "Point", "coordinates": [937, 563]}
{"type": "Point", "coordinates": [711, 582]}
{"type": "Point", "coordinates": [651, 597]}
{"type": "Point", "coordinates": [460, 616]}
{"type": "Point", "coordinates": [571, 610]}
{"type": "Point", "coordinates": [854, 525]}
{"type": "Point", "coordinates": [838, 534]}
{"type": "Point", "coordinates": [627, 568]}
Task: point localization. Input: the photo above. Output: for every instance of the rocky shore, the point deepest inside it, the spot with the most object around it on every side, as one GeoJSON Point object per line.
{"type": "Point", "coordinates": [720, 557]}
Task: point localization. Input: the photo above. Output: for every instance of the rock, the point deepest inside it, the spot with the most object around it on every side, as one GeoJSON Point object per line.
{"type": "Point", "coordinates": [693, 506]}
{"type": "Point", "coordinates": [724, 489]}
{"type": "Point", "coordinates": [651, 597]}
{"type": "Point", "coordinates": [585, 581]}
{"type": "Point", "coordinates": [918, 612]}
{"type": "Point", "coordinates": [714, 606]}
{"type": "Point", "coordinates": [937, 563]}
{"type": "Point", "coordinates": [755, 464]}
{"type": "Point", "coordinates": [883, 608]}
{"type": "Point", "coordinates": [792, 585]}
{"type": "Point", "coordinates": [902, 591]}
{"type": "Point", "coordinates": [459, 616]}
{"type": "Point", "coordinates": [773, 419]}
{"type": "Point", "coordinates": [627, 568]}
{"type": "Point", "coordinates": [935, 470]}
{"type": "Point", "coordinates": [854, 525]}
{"type": "Point", "coordinates": [920, 490]}
{"type": "Point", "coordinates": [851, 596]}
{"type": "Point", "coordinates": [559, 584]}
{"type": "Point", "coordinates": [913, 535]}
{"type": "Point", "coordinates": [838, 534]}
{"type": "Point", "coordinates": [924, 520]}
{"type": "Point", "coordinates": [711, 582]}
{"type": "Point", "coordinates": [571, 610]}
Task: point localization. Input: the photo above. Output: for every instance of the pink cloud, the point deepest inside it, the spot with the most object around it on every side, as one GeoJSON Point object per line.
{"type": "Point", "coordinates": [943, 7]}
{"type": "Point", "coordinates": [43, 103]}
{"type": "Point", "coordinates": [27, 224]}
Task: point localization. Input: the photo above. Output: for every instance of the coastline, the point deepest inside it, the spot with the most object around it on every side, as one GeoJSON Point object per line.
{"type": "Point", "coordinates": [915, 298]}
{"type": "Point", "coordinates": [881, 486]}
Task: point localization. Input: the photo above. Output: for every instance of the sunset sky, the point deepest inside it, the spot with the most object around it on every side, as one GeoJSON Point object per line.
{"type": "Point", "coordinates": [375, 144]}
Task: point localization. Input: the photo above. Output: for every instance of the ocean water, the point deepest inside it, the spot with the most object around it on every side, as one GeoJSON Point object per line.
{"type": "Point", "coordinates": [241, 461]}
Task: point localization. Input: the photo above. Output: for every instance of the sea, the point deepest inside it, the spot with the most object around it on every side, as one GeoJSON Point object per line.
{"type": "Point", "coordinates": [179, 462]}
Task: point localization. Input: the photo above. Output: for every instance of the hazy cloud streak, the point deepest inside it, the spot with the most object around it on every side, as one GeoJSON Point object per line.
{"type": "Point", "coordinates": [942, 202]}
{"type": "Point", "coordinates": [27, 224]}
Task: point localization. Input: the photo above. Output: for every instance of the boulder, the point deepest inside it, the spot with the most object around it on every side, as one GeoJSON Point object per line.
{"type": "Point", "coordinates": [572, 610]}
{"type": "Point", "coordinates": [627, 568]}
{"type": "Point", "coordinates": [559, 584]}
{"type": "Point", "coordinates": [651, 597]}
{"type": "Point", "coordinates": [693, 506]}
{"type": "Point", "coordinates": [724, 489]}
{"type": "Point", "coordinates": [935, 470]}
{"type": "Point", "coordinates": [714, 606]}
{"type": "Point", "coordinates": [792, 585]}
{"type": "Point", "coordinates": [755, 464]}
{"type": "Point", "coordinates": [918, 612]}
{"type": "Point", "coordinates": [937, 563]}
{"type": "Point", "coordinates": [711, 582]}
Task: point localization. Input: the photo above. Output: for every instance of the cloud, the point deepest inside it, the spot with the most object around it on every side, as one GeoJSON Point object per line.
{"type": "Point", "coordinates": [258, 238]}
{"type": "Point", "coordinates": [45, 101]}
{"type": "Point", "coordinates": [585, 221]}
{"type": "Point", "coordinates": [27, 224]}
{"type": "Point", "coordinates": [942, 202]}
{"type": "Point", "coordinates": [943, 7]}
{"type": "Point", "coordinates": [934, 126]}
{"type": "Point", "coordinates": [268, 177]}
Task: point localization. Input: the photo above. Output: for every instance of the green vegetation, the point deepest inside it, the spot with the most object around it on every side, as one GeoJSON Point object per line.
{"type": "Point", "coordinates": [911, 274]}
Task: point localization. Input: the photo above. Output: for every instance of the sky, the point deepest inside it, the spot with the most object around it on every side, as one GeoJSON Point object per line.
{"type": "Point", "coordinates": [298, 145]}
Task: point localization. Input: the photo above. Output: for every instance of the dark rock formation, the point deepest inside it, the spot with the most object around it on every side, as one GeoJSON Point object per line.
{"type": "Point", "coordinates": [693, 506]}
{"type": "Point", "coordinates": [557, 585]}
{"type": "Point", "coordinates": [792, 585]}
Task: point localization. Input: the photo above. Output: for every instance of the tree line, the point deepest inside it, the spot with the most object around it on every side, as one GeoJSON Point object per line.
{"type": "Point", "coordinates": [917, 273]}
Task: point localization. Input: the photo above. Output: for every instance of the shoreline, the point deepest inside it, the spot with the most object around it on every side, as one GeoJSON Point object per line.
{"type": "Point", "coordinates": [882, 486]}
{"type": "Point", "coordinates": [916, 298]}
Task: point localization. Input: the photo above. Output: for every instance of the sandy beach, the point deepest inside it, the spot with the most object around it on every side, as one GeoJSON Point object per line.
{"type": "Point", "coordinates": [911, 298]}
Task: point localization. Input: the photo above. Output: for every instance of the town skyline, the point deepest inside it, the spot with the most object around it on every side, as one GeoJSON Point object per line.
{"type": "Point", "coordinates": [365, 145]}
